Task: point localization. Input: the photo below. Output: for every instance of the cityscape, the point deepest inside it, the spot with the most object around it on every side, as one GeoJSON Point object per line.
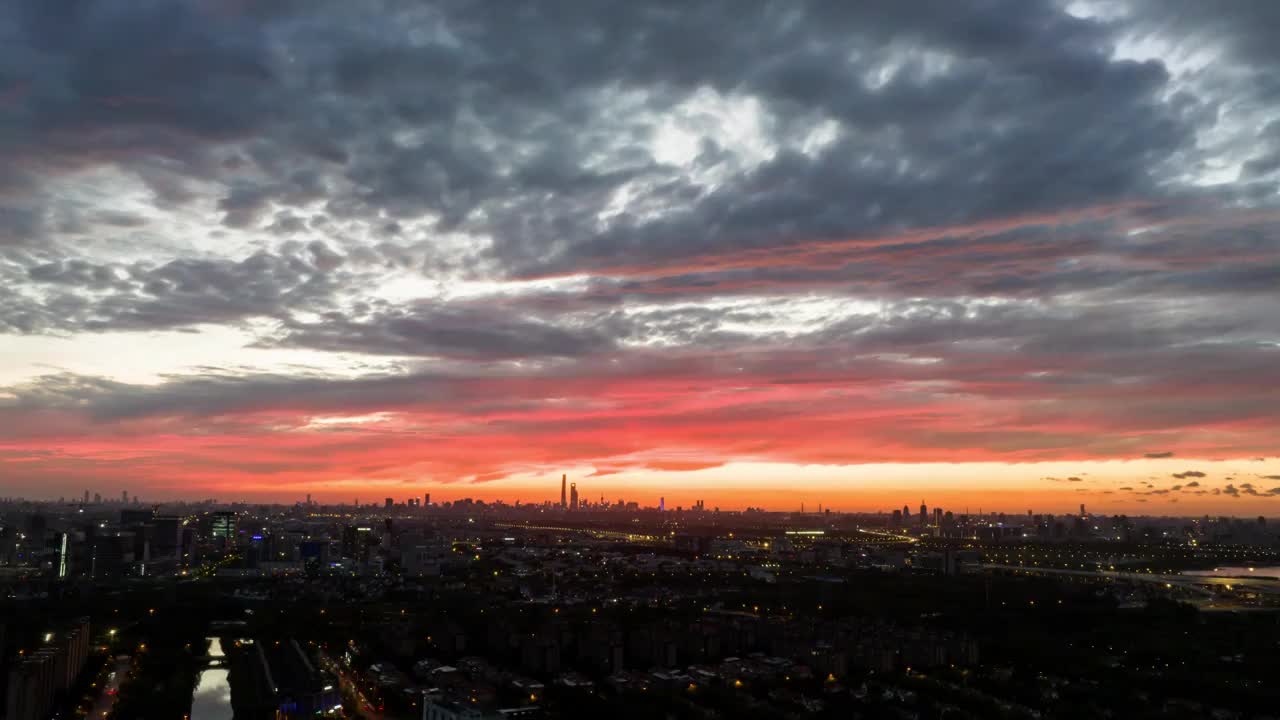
{"type": "Point", "coordinates": [639, 360]}
{"type": "Point", "coordinates": [406, 608]}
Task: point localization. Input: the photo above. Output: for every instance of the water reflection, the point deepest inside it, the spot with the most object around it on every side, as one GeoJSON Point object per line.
{"type": "Point", "coordinates": [1240, 571]}
{"type": "Point", "coordinates": [212, 697]}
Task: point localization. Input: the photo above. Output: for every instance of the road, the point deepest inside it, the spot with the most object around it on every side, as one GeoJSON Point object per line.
{"type": "Point", "coordinates": [115, 676]}
{"type": "Point", "coordinates": [351, 689]}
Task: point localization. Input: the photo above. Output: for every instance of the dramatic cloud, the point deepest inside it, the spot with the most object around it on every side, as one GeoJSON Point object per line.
{"type": "Point", "coordinates": [345, 242]}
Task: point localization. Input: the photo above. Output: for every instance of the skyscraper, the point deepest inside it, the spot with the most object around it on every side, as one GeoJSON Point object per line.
{"type": "Point", "coordinates": [564, 502]}
{"type": "Point", "coordinates": [924, 514]}
{"type": "Point", "coordinates": [124, 496]}
{"type": "Point", "coordinates": [86, 497]}
{"type": "Point", "coordinates": [223, 527]}
{"type": "Point", "coordinates": [573, 496]}
{"type": "Point", "coordinates": [426, 500]}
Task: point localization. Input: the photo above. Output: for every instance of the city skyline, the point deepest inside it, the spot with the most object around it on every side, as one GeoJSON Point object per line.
{"type": "Point", "coordinates": [1099, 492]}
{"type": "Point", "coordinates": [1007, 254]}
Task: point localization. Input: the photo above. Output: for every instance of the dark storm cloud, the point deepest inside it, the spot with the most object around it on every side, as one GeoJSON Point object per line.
{"type": "Point", "coordinates": [115, 81]}
{"type": "Point", "coordinates": [958, 114]}
{"type": "Point", "coordinates": [514, 102]}
{"type": "Point", "coordinates": [444, 331]}
{"type": "Point", "coordinates": [1245, 75]}
{"type": "Point", "coordinates": [82, 296]}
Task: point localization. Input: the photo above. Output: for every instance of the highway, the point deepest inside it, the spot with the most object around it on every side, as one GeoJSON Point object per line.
{"type": "Point", "coordinates": [1200, 583]}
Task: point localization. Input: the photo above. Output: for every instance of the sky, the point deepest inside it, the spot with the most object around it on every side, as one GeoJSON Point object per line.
{"type": "Point", "coordinates": [998, 254]}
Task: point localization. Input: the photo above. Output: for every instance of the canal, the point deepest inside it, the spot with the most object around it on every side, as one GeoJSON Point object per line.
{"type": "Point", "coordinates": [212, 697]}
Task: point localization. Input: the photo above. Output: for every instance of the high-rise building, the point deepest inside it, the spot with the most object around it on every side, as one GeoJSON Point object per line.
{"type": "Point", "coordinates": [1082, 512]}
{"type": "Point", "coordinates": [906, 513]}
{"type": "Point", "coordinates": [937, 517]}
{"type": "Point", "coordinates": [573, 496]}
{"type": "Point", "coordinates": [223, 527]}
{"type": "Point", "coordinates": [564, 500]}
{"type": "Point", "coordinates": [62, 555]}
{"type": "Point", "coordinates": [31, 686]}
{"type": "Point", "coordinates": [662, 504]}
{"type": "Point", "coordinates": [924, 514]}
{"type": "Point", "coordinates": [308, 499]}
{"type": "Point", "coordinates": [167, 536]}
{"type": "Point", "coordinates": [426, 500]}
{"type": "Point", "coordinates": [124, 496]}
{"type": "Point", "coordinates": [86, 497]}
{"type": "Point", "coordinates": [130, 518]}
{"type": "Point", "coordinates": [97, 498]}
{"type": "Point", "coordinates": [357, 541]}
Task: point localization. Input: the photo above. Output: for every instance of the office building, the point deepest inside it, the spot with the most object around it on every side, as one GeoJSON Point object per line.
{"type": "Point", "coordinates": [224, 528]}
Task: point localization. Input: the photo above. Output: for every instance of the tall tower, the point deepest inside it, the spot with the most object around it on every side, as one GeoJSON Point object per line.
{"type": "Point", "coordinates": [573, 496]}
{"type": "Point", "coordinates": [924, 514]}
{"type": "Point", "coordinates": [564, 501]}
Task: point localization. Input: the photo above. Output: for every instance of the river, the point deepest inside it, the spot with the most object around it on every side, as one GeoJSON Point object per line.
{"type": "Point", "coordinates": [212, 697]}
{"type": "Point", "coordinates": [1258, 571]}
